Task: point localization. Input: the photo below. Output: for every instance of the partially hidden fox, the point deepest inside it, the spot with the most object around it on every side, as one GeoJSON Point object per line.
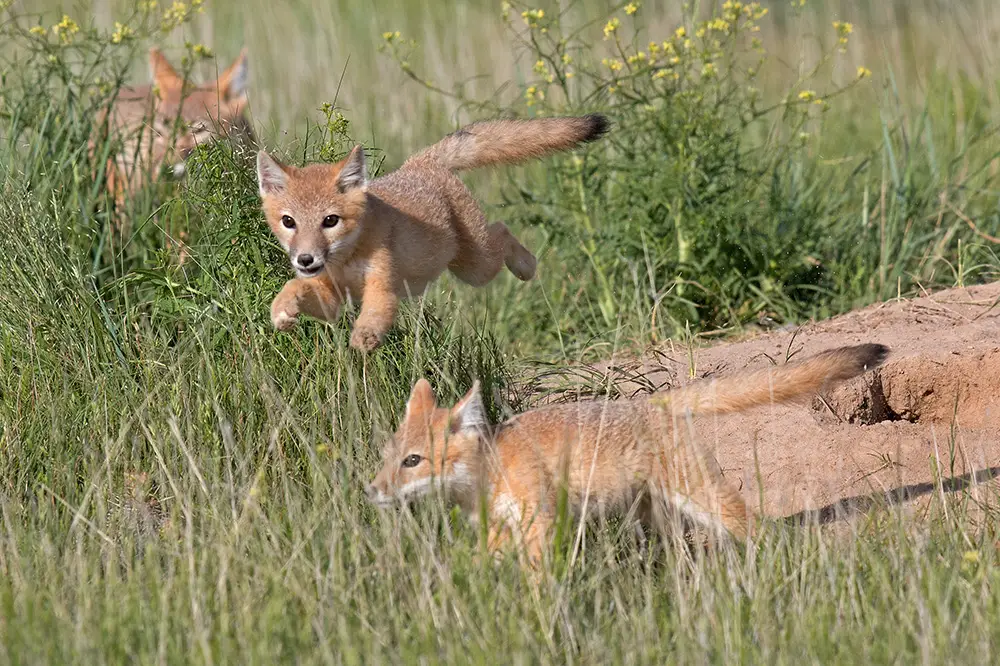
{"type": "Point", "coordinates": [160, 125]}
{"type": "Point", "coordinates": [384, 240]}
{"type": "Point", "coordinates": [606, 455]}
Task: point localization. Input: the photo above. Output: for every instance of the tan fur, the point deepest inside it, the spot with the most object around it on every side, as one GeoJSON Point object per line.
{"type": "Point", "coordinates": [161, 124]}
{"type": "Point", "coordinates": [608, 455]}
{"type": "Point", "coordinates": [396, 234]}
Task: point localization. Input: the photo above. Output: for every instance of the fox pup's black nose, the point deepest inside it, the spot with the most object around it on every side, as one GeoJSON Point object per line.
{"type": "Point", "coordinates": [305, 260]}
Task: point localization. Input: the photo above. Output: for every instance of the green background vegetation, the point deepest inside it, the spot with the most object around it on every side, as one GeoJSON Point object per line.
{"type": "Point", "coordinates": [719, 200]}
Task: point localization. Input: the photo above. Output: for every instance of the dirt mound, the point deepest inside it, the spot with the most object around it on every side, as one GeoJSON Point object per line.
{"type": "Point", "coordinates": [927, 422]}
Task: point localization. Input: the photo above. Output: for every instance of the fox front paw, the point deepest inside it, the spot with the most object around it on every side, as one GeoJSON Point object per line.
{"type": "Point", "coordinates": [283, 317]}
{"type": "Point", "coordinates": [365, 339]}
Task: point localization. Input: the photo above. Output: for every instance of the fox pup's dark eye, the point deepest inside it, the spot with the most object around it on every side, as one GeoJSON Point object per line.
{"type": "Point", "coordinates": [287, 221]}
{"type": "Point", "coordinates": [330, 221]}
{"type": "Point", "coordinates": [411, 460]}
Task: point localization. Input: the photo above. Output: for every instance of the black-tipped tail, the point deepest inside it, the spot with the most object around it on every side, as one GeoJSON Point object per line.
{"type": "Point", "coordinates": [598, 126]}
{"type": "Point", "coordinates": [869, 356]}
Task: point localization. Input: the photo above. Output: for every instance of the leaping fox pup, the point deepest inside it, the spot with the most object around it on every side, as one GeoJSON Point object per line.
{"type": "Point", "coordinates": [383, 240]}
{"type": "Point", "coordinates": [606, 455]}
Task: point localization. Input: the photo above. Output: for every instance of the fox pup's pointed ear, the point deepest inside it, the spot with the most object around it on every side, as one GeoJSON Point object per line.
{"type": "Point", "coordinates": [353, 171]}
{"type": "Point", "coordinates": [165, 77]}
{"type": "Point", "coordinates": [271, 175]}
{"type": "Point", "coordinates": [421, 398]}
{"type": "Point", "coordinates": [233, 82]}
{"type": "Point", "coordinates": [470, 412]}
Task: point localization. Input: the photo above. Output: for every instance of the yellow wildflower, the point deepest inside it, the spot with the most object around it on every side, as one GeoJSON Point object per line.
{"type": "Point", "coordinates": [177, 14]}
{"type": "Point", "coordinates": [631, 8]}
{"type": "Point", "coordinates": [65, 29]}
{"type": "Point", "coordinates": [610, 27]}
{"type": "Point", "coordinates": [864, 72]}
{"type": "Point", "coordinates": [38, 30]}
{"type": "Point", "coordinates": [681, 32]}
{"type": "Point", "coordinates": [532, 17]}
{"type": "Point", "coordinates": [807, 95]}
{"type": "Point", "coordinates": [122, 33]}
{"type": "Point", "coordinates": [719, 25]}
{"type": "Point", "coordinates": [613, 64]}
{"type": "Point", "coordinates": [843, 30]}
{"type": "Point", "coordinates": [567, 58]}
{"type": "Point", "coordinates": [533, 94]}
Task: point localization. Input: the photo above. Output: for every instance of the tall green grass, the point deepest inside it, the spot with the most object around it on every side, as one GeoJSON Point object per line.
{"type": "Point", "coordinates": [117, 358]}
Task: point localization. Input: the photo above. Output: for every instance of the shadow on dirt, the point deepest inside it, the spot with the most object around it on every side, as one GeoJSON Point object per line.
{"type": "Point", "coordinates": [852, 506]}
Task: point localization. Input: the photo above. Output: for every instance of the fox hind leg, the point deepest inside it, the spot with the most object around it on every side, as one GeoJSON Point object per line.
{"type": "Point", "coordinates": [720, 509]}
{"type": "Point", "coordinates": [480, 259]}
{"type": "Point", "coordinates": [519, 259]}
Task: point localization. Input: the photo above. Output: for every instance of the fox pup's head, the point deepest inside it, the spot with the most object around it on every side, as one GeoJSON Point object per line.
{"type": "Point", "coordinates": [163, 123]}
{"type": "Point", "coordinates": [433, 447]}
{"type": "Point", "coordinates": [315, 211]}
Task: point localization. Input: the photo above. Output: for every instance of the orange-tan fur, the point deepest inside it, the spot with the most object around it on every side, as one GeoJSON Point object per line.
{"type": "Point", "coordinates": [387, 239]}
{"type": "Point", "coordinates": [608, 455]}
{"type": "Point", "coordinates": [159, 125]}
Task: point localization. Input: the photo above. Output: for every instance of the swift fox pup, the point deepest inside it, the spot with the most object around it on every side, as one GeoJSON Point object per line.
{"type": "Point", "coordinates": [161, 124]}
{"type": "Point", "coordinates": [607, 455]}
{"type": "Point", "coordinates": [383, 240]}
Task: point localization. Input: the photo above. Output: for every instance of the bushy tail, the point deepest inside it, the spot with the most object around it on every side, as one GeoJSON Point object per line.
{"type": "Point", "coordinates": [510, 141]}
{"type": "Point", "coordinates": [783, 383]}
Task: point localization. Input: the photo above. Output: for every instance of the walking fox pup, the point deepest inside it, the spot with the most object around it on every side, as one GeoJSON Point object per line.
{"type": "Point", "coordinates": [161, 124]}
{"type": "Point", "coordinates": [606, 455]}
{"type": "Point", "coordinates": [384, 240]}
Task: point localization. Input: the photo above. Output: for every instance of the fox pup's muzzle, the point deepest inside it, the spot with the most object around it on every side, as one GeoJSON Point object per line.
{"type": "Point", "coordinates": [307, 265]}
{"type": "Point", "coordinates": [377, 497]}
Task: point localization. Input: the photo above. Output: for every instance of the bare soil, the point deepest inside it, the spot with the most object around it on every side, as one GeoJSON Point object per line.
{"type": "Point", "coordinates": [926, 423]}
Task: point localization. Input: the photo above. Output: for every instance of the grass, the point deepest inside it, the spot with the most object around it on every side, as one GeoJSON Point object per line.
{"type": "Point", "coordinates": [115, 359]}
